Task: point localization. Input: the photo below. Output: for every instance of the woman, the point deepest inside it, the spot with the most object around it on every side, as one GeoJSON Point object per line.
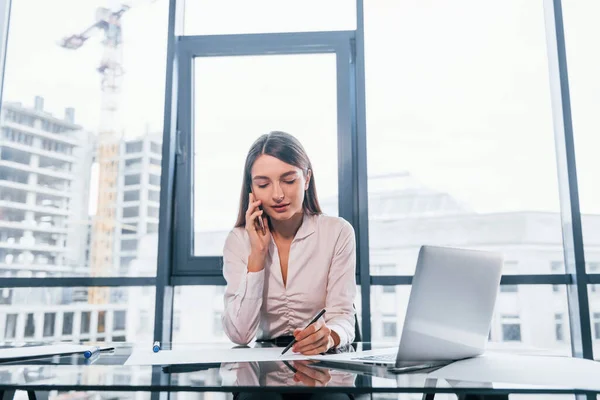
{"type": "Point", "coordinates": [279, 278]}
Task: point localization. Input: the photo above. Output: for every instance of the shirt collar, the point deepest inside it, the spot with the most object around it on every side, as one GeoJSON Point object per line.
{"type": "Point", "coordinates": [308, 226]}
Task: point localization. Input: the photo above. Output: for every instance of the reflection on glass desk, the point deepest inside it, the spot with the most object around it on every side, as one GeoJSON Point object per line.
{"type": "Point", "coordinates": [106, 372]}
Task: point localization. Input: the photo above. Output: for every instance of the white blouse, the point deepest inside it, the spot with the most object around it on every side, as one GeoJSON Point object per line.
{"type": "Point", "coordinates": [321, 274]}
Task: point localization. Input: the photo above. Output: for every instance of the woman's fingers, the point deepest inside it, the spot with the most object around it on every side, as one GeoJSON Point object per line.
{"type": "Point", "coordinates": [301, 334]}
{"type": "Point", "coordinates": [252, 207]}
{"type": "Point", "coordinates": [320, 346]}
{"type": "Point", "coordinates": [309, 341]}
{"type": "Point", "coordinates": [251, 219]}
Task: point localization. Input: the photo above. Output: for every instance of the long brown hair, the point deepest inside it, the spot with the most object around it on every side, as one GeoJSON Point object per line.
{"type": "Point", "coordinates": [288, 149]}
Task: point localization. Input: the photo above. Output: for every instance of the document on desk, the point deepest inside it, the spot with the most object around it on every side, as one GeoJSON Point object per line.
{"type": "Point", "coordinates": [200, 356]}
{"type": "Point", "coordinates": [27, 352]}
{"type": "Point", "coordinates": [525, 369]}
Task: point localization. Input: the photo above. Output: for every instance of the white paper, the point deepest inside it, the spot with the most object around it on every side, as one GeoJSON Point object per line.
{"type": "Point", "coordinates": [49, 350]}
{"type": "Point", "coordinates": [560, 372]}
{"type": "Point", "coordinates": [204, 356]}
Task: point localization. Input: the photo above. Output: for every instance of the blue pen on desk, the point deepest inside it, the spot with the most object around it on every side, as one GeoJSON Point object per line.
{"type": "Point", "coordinates": [91, 352]}
{"type": "Point", "coordinates": [156, 347]}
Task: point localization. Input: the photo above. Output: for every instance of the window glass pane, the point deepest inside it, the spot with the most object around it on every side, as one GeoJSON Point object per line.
{"type": "Point", "coordinates": [11, 326]}
{"type": "Point", "coordinates": [187, 298]}
{"type": "Point", "coordinates": [132, 195]}
{"type": "Point", "coordinates": [119, 320]}
{"type": "Point", "coordinates": [511, 328]}
{"type": "Point", "coordinates": [133, 163]}
{"type": "Point", "coordinates": [134, 147]}
{"type": "Point", "coordinates": [237, 99]}
{"type": "Point", "coordinates": [207, 17]}
{"type": "Point", "coordinates": [131, 180]}
{"type": "Point", "coordinates": [85, 322]}
{"type": "Point", "coordinates": [29, 326]}
{"type": "Point", "coordinates": [49, 320]}
{"type": "Point", "coordinates": [525, 318]}
{"type": "Point", "coordinates": [77, 313]}
{"type": "Point", "coordinates": [129, 245]}
{"type": "Point", "coordinates": [389, 329]}
{"type": "Point", "coordinates": [131, 212]}
{"type": "Point", "coordinates": [458, 131]}
{"type": "Point", "coordinates": [61, 210]}
{"type": "Point", "coordinates": [388, 310]}
{"type": "Point", "coordinates": [581, 35]}
{"type": "Point", "coordinates": [67, 325]}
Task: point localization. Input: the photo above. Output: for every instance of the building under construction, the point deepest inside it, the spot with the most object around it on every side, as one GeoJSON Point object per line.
{"type": "Point", "coordinates": [44, 188]}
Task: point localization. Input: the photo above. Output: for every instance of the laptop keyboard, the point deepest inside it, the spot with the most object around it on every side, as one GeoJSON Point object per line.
{"type": "Point", "coordinates": [383, 357]}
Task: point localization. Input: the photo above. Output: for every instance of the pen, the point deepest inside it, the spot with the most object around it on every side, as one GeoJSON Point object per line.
{"type": "Point", "coordinates": [309, 324]}
{"type": "Point", "coordinates": [91, 352]}
{"type": "Point", "coordinates": [156, 347]}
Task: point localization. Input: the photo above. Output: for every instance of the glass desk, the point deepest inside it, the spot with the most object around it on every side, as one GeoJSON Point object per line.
{"type": "Point", "coordinates": [59, 377]}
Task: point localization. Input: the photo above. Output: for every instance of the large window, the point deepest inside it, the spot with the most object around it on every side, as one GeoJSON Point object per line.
{"type": "Point", "coordinates": [460, 152]}
{"type": "Point", "coordinates": [581, 35]}
{"type": "Point", "coordinates": [60, 190]}
{"type": "Point", "coordinates": [239, 98]}
{"type": "Point", "coordinates": [458, 126]}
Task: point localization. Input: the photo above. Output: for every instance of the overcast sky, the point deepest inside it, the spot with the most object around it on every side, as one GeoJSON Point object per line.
{"type": "Point", "coordinates": [457, 92]}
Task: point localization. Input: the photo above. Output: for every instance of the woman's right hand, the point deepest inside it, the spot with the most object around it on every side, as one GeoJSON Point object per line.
{"type": "Point", "coordinates": [258, 241]}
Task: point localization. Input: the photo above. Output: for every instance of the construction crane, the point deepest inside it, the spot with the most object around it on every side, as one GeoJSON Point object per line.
{"type": "Point", "coordinates": [111, 71]}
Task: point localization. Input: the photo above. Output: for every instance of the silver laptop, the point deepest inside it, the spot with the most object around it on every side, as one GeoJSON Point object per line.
{"type": "Point", "coordinates": [449, 313]}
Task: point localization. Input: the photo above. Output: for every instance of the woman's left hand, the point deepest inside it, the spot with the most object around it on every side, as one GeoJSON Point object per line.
{"type": "Point", "coordinates": [314, 339]}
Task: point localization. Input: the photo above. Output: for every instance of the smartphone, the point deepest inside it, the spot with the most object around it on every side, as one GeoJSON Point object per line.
{"type": "Point", "coordinates": [261, 223]}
